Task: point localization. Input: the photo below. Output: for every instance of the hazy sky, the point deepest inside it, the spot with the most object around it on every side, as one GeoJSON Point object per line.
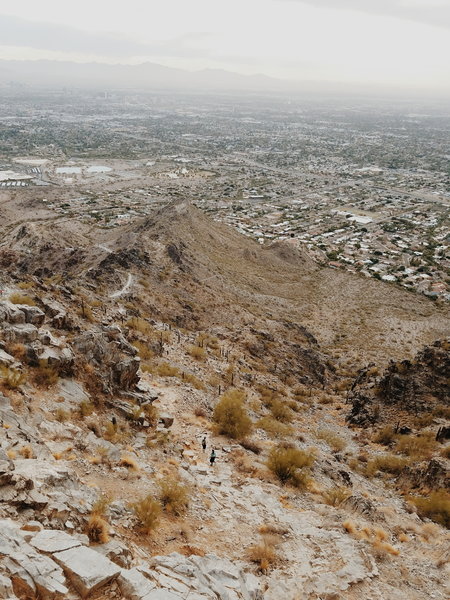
{"type": "Point", "coordinates": [368, 41]}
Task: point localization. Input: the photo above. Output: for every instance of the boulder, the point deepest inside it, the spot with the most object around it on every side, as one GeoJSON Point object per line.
{"type": "Point", "coordinates": [117, 552]}
{"type": "Point", "coordinates": [23, 333]}
{"type": "Point", "coordinates": [86, 569]}
{"type": "Point", "coordinates": [134, 585]}
{"type": "Point", "coordinates": [33, 314]}
{"type": "Point", "coordinates": [166, 420]}
{"type": "Point", "coordinates": [6, 360]}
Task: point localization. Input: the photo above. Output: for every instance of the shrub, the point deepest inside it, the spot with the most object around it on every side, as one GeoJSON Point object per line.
{"type": "Point", "coordinates": [286, 464]}
{"type": "Point", "coordinates": [173, 496]}
{"type": "Point", "coordinates": [61, 415]}
{"type": "Point", "coordinates": [418, 446]}
{"type": "Point", "coordinates": [388, 463]}
{"type": "Point", "coordinates": [129, 462]}
{"type": "Point", "coordinates": [264, 553]}
{"type": "Point", "coordinates": [86, 408]}
{"type": "Point", "coordinates": [17, 298]}
{"type": "Point", "coordinates": [385, 436]}
{"type": "Point", "coordinates": [140, 325]}
{"type": "Point", "coordinates": [332, 439]}
{"type": "Point", "coordinates": [335, 495]}
{"type": "Point", "coordinates": [97, 529]}
{"type": "Point", "coordinates": [148, 511]}
{"type": "Point", "coordinates": [446, 452]}
{"type": "Point", "coordinates": [280, 411]}
{"type": "Point", "coordinates": [193, 380]}
{"type": "Point", "coordinates": [26, 452]}
{"type": "Point", "coordinates": [436, 507]}
{"type": "Point", "coordinates": [251, 445]}
{"type": "Point", "coordinates": [274, 428]}
{"type": "Point", "coordinates": [197, 352]}
{"type": "Point", "coordinates": [199, 411]}
{"type": "Point", "coordinates": [45, 376]}
{"type": "Point", "coordinates": [101, 504]}
{"type": "Point", "coordinates": [231, 416]}
{"type": "Point", "coordinates": [166, 370]}
{"type": "Point", "coordinates": [145, 353]}
{"type": "Point", "coordinates": [12, 378]}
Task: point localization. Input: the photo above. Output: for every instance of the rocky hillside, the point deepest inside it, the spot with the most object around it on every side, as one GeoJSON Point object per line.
{"type": "Point", "coordinates": [121, 351]}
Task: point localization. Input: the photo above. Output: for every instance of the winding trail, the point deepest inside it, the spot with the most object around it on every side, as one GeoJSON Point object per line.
{"type": "Point", "coordinates": [125, 288]}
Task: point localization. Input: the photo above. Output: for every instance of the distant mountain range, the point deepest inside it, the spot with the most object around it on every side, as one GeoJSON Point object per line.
{"type": "Point", "coordinates": [143, 76]}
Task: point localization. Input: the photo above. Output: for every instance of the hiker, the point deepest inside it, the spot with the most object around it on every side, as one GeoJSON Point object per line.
{"type": "Point", "coordinates": [204, 444]}
{"type": "Point", "coordinates": [212, 458]}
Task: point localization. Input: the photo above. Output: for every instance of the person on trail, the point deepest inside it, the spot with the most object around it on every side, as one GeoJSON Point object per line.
{"type": "Point", "coordinates": [204, 444]}
{"type": "Point", "coordinates": [212, 458]}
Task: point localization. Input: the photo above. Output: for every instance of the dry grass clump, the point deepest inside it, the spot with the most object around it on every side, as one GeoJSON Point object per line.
{"type": "Point", "coordinates": [11, 454]}
{"type": "Point", "coordinates": [166, 370]}
{"type": "Point", "coordinates": [350, 527]}
{"type": "Point", "coordinates": [44, 375]}
{"type": "Point", "coordinates": [332, 439]}
{"type": "Point", "coordinates": [19, 351]}
{"type": "Point", "coordinates": [335, 495]}
{"type": "Point", "coordinates": [62, 415]}
{"type": "Point", "coordinates": [144, 351]}
{"type": "Point", "coordinates": [17, 298]}
{"type": "Point", "coordinates": [197, 352]}
{"type": "Point", "coordinates": [173, 496]}
{"type": "Point", "coordinates": [388, 463]}
{"type": "Point", "coordinates": [251, 445]}
{"type": "Point", "coordinates": [280, 411]}
{"type": "Point", "coordinates": [12, 379]}
{"type": "Point", "coordinates": [26, 452]}
{"type": "Point", "coordinates": [101, 505]}
{"type": "Point", "coordinates": [116, 433]}
{"type": "Point", "coordinates": [289, 464]}
{"type": "Point", "coordinates": [442, 411]}
{"type": "Point", "coordinates": [129, 462]}
{"type": "Point", "coordinates": [445, 452]}
{"type": "Point", "coordinates": [97, 529]}
{"type": "Point", "coordinates": [192, 380]}
{"type": "Point", "coordinates": [435, 507]}
{"type": "Point", "coordinates": [274, 428]}
{"type": "Point", "coordinates": [383, 549]}
{"type": "Point", "coordinates": [85, 408]}
{"type": "Point", "coordinates": [140, 325]}
{"type": "Point", "coordinates": [416, 446]}
{"type": "Point", "coordinates": [148, 511]}
{"type": "Point", "coordinates": [230, 415]}
{"type": "Point", "coordinates": [385, 436]}
{"type": "Point", "coordinates": [265, 553]}
{"type": "Point", "coordinates": [199, 411]}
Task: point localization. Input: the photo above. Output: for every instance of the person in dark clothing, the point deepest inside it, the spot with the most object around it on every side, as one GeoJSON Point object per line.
{"type": "Point", "coordinates": [204, 444]}
{"type": "Point", "coordinates": [212, 458]}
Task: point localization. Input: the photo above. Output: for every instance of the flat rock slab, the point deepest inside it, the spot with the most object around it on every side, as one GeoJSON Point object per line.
{"type": "Point", "coordinates": [86, 569]}
{"type": "Point", "coordinates": [54, 541]}
{"type": "Point", "coordinates": [162, 595]}
{"type": "Point", "coordinates": [134, 585]}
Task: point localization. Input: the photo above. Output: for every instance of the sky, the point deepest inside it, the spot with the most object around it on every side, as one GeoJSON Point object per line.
{"type": "Point", "coordinates": [375, 42]}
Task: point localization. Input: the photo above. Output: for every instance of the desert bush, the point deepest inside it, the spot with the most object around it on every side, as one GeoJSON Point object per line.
{"type": "Point", "coordinates": [388, 463]}
{"type": "Point", "coordinates": [147, 510]}
{"type": "Point", "coordinates": [445, 452]}
{"type": "Point", "coordinates": [349, 526]}
{"type": "Point", "coordinates": [140, 325]}
{"type": "Point", "coordinates": [173, 496]}
{"type": "Point", "coordinates": [335, 495]}
{"type": "Point", "coordinates": [435, 507]}
{"type": "Point", "coordinates": [423, 421]}
{"type": "Point", "coordinates": [61, 415]}
{"type": "Point", "coordinates": [421, 445]}
{"type": "Point", "coordinates": [144, 351]}
{"type": "Point", "coordinates": [97, 529]}
{"type": "Point", "coordinates": [166, 370]}
{"type": "Point", "coordinates": [45, 376]}
{"type": "Point", "coordinates": [151, 413]}
{"type": "Point", "coordinates": [251, 445]}
{"type": "Point", "coordinates": [199, 411]}
{"type": "Point", "coordinates": [287, 464]}
{"type": "Point", "coordinates": [101, 505]}
{"type": "Point", "coordinates": [25, 285]}
{"type": "Point", "coordinates": [231, 416]}
{"type": "Point", "coordinates": [19, 351]}
{"type": "Point", "coordinates": [280, 411]}
{"type": "Point", "coordinates": [26, 452]}
{"type": "Point", "coordinates": [129, 462]}
{"type": "Point", "coordinates": [382, 549]}
{"type": "Point", "coordinates": [385, 436]}
{"type": "Point", "coordinates": [442, 411]}
{"type": "Point", "coordinates": [274, 428]}
{"type": "Point", "coordinates": [192, 380]}
{"type": "Point", "coordinates": [17, 298]}
{"type": "Point", "coordinates": [265, 553]}
{"type": "Point", "coordinates": [85, 408]}
{"type": "Point", "coordinates": [197, 352]}
{"type": "Point", "coordinates": [12, 378]}
{"type": "Point", "coordinates": [332, 439]}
